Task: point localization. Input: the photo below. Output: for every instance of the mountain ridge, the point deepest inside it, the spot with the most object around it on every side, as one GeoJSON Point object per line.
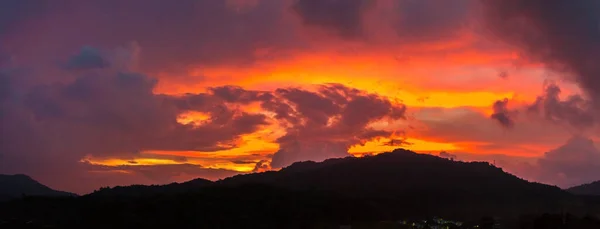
{"type": "Point", "coordinates": [591, 189]}
{"type": "Point", "coordinates": [402, 175]}
{"type": "Point", "coordinates": [417, 181]}
{"type": "Point", "coordinates": [19, 185]}
{"type": "Point", "coordinates": [396, 185]}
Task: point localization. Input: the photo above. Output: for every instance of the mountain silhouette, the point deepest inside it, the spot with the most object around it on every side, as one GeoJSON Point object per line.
{"type": "Point", "coordinates": [152, 190]}
{"type": "Point", "coordinates": [16, 186]}
{"type": "Point", "coordinates": [389, 186]}
{"type": "Point", "coordinates": [422, 184]}
{"type": "Point", "coordinates": [592, 189]}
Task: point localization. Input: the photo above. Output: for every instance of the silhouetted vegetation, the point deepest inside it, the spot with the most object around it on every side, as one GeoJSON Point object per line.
{"type": "Point", "coordinates": [16, 186]}
{"type": "Point", "coordinates": [152, 190]}
{"type": "Point", "coordinates": [586, 189]}
{"type": "Point", "coordinates": [424, 185]}
{"type": "Point", "coordinates": [394, 190]}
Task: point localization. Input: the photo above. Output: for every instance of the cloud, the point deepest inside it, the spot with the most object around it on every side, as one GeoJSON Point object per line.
{"type": "Point", "coordinates": [87, 58]}
{"type": "Point", "coordinates": [503, 74]}
{"type": "Point", "coordinates": [502, 114]}
{"type": "Point", "coordinates": [471, 129]}
{"type": "Point", "coordinates": [574, 163]}
{"type": "Point", "coordinates": [344, 17]}
{"type": "Point", "coordinates": [206, 32]}
{"type": "Point", "coordinates": [397, 142]}
{"type": "Point", "coordinates": [432, 19]}
{"type": "Point", "coordinates": [326, 123]}
{"type": "Point", "coordinates": [564, 35]}
{"type": "Point", "coordinates": [114, 113]}
{"type": "Point", "coordinates": [574, 111]}
{"type": "Point", "coordinates": [15, 12]}
{"type": "Point", "coordinates": [105, 114]}
{"type": "Point", "coordinates": [318, 124]}
{"type": "Point", "coordinates": [445, 154]}
{"type": "Point", "coordinates": [117, 114]}
{"type": "Point", "coordinates": [262, 166]}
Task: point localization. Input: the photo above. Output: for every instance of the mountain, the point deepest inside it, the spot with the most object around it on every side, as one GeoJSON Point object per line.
{"type": "Point", "coordinates": [420, 183]}
{"type": "Point", "coordinates": [152, 190]}
{"type": "Point", "coordinates": [16, 186]}
{"type": "Point", "coordinates": [389, 186]}
{"type": "Point", "coordinates": [423, 184]}
{"type": "Point", "coordinates": [592, 189]}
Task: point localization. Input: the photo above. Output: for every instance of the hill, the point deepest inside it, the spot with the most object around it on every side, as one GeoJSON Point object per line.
{"type": "Point", "coordinates": [245, 206]}
{"type": "Point", "coordinates": [390, 186]}
{"type": "Point", "coordinates": [422, 184]}
{"type": "Point", "coordinates": [152, 190]}
{"type": "Point", "coordinates": [591, 189]}
{"type": "Point", "coordinates": [16, 186]}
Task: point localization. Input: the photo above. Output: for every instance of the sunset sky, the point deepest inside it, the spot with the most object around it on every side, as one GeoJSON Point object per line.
{"type": "Point", "coordinates": [112, 92]}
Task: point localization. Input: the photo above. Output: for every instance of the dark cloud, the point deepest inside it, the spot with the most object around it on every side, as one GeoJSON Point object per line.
{"type": "Point", "coordinates": [470, 125]}
{"type": "Point", "coordinates": [503, 74]}
{"type": "Point", "coordinates": [87, 58]}
{"type": "Point", "coordinates": [562, 34]}
{"type": "Point", "coordinates": [235, 94]}
{"type": "Point", "coordinates": [114, 113]}
{"type": "Point", "coordinates": [345, 17]}
{"type": "Point", "coordinates": [172, 34]}
{"type": "Point", "coordinates": [5, 87]}
{"type": "Point", "coordinates": [326, 123]}
{"type": "Point", "coordinates": [262, 166]}
{"type": "Point", "coordinates": [13, 13]}
{"type": "Point", "coordinates": [574, 111]}
{"type": "Point", "coordinates": [413, 20]}
{"type": "Point", "coordinates": [574, 163]}
{"type": "Point", "coordinates": [106, 114]}
{"type": "Point", "coordinates": [432, 19]}
{"type": "Point", "coordinates": [502, 114]}
{"type": "Point", "coordinates": [447, 155]}
{"type": "Point", "coordinates": [397, 142]}
{"type": "Point", "coordinates": [319, 125]}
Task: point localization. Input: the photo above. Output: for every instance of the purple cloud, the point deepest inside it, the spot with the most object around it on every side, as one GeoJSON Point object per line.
{"type": "Point", "coordinates": [345, 17]}
{"type": "Point", "coordinates": [325, 124]}
{"type": "Point", "coordinates": [502, 114]}
{"type": "Point", "coordinates": [564, 35]}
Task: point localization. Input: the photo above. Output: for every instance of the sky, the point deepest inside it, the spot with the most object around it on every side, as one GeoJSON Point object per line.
{"type": "Point", "coordinates": [98, 93]}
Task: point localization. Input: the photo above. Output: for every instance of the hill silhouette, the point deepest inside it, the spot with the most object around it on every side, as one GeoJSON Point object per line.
{"type": "Point", "coordinates": [17, 186]}
{"type": "Point", "coordinates": [417, 181]}
{"type": "Point", "coordinates": [592, 189]}
{"type": "Point", "coordinates": [389, 186]}
{"type": "Point", "coordinates": [152, 190]}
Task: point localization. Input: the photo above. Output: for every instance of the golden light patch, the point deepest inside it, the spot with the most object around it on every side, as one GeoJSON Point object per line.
{"type": "Point", "coordinates": [131, 162]}
{"type": "Point", "coordinates": [380, 145]}
{"type": "Point", "coordinates": [193, 118]}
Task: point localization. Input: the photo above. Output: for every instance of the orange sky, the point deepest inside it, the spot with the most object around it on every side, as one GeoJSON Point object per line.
{"type": "Point", "coordinates": [446, 75]}
{"type": "Point", "coordinates": [437, 58]}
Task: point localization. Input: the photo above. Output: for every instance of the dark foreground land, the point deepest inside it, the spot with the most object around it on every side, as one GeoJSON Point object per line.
{"type": "Point", "coordinates": [261, 207]}
{"type": "Point", "coordinates": [400, 189]}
